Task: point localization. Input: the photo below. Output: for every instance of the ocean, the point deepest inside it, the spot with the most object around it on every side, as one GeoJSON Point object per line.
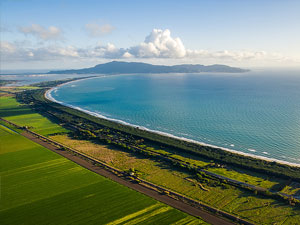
{"type": "Point", "coordinates": [256, 113]}
{"type": "Point", "coordinates": [28, 79]}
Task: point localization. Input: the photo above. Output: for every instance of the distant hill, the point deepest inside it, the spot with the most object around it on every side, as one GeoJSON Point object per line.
{"type": "Point", "coordinates": [116, 67]}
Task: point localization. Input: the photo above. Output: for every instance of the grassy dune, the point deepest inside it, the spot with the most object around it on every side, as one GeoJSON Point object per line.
{"type": "Point", "coordinates": [41, 187]}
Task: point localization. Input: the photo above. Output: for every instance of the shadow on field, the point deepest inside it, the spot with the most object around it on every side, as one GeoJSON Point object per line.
{"type": "Point", "coordinates": [52, 119]}
{"type": "Point", "coordinates": [280, 186]}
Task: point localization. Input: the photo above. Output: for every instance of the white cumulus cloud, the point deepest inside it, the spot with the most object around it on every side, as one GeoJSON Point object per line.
{"type": "Point", "coordinates": [109, 51]}
{"type": "Point", "coordinates": [159, 44]}
{"type": "Point", "coordinates": [50, 33]}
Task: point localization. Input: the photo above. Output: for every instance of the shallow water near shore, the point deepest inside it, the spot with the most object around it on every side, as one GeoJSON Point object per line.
{"type": "Point", "coordinates": [256, 112]}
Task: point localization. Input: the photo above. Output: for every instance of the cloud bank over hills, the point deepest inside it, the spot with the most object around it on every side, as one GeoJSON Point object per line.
{"type": "Point", "coordinates": [158, 44]}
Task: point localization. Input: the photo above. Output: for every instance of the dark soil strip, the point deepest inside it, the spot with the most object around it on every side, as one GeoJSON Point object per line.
{"type": "Point", "coordinates": [210, 218]}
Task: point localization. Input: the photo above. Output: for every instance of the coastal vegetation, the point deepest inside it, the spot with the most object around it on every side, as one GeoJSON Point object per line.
{"type": "Point", "coordinates": [5, 82]}
{"type": "Point", "coordinates": [244, 204]}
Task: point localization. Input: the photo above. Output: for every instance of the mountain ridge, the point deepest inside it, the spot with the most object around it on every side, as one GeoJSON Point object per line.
{"type": "Point", "coordinates": [119, 67]}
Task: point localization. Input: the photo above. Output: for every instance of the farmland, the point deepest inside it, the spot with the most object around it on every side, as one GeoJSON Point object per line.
{"type": "Point", "coordinates": [22, 115]}
{"type": "Point", "coordinates": [41, 187]}
{"type": "Point", "coordinates": [260, 210]}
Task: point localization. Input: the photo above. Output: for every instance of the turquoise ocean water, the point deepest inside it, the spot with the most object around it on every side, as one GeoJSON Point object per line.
{"type": "Point", "coordinates": [256, 113]}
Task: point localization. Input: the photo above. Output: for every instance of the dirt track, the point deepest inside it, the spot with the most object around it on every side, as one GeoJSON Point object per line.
{"type": "Point", "coordinates": [210, 218]}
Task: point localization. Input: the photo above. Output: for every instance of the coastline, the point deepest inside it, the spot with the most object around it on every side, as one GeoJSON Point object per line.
{"type": "Point", "coordinates": [49, 97]}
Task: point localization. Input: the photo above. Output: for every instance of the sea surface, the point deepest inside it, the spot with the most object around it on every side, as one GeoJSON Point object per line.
{"type": "Point", "coordinates": [28, 79]}
{"type": "Point", "coordinates": [255, 113]}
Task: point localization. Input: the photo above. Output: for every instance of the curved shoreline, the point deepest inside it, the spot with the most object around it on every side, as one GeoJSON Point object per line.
{"type": "Point", "coordinates": [48, 96]}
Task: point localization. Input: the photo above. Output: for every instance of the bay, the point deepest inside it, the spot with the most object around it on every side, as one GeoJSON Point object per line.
{"type": "Point", "coordinates": [256, 112]}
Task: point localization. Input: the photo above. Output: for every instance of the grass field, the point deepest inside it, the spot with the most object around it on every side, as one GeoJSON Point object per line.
{"type": "Point", "coordinates": [22, 115]}
{"type": "Point", "coordinates": [247, 205]}
{"type": "Point", "coordinates": [41, 187]}
{"type": "Point", "coordinates": [250, 177]}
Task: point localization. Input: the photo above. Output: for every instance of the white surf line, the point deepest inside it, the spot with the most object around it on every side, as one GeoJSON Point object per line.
{"type": "Point", "coordinates": [49, 97]}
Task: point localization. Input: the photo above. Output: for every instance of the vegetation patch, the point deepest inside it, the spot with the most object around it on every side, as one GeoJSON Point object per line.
{"type": "Point", "coordinates": [211, 192]}
{"type": "Point", "coordinates": [39, 186]}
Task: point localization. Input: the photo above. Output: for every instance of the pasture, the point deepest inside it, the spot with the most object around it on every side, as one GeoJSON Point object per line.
{"type": "Point", "coordinates": [41, 187]}
{"type": "Point", "coordinates": [22, 115]}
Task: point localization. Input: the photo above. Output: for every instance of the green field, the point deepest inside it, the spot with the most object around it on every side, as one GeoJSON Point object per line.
{"type": "Point", "coordinates": [22, 115]}
{"type": "Point", "coordinates": [244, 204]}
{"type": "Point", "coordinates": [248, 176]}
{"type": "Point", "coordinates": [41, 187]}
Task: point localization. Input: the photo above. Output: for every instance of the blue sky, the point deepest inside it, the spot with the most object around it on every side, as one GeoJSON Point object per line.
{"type": "Point", "coordinates": [73, 34]}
